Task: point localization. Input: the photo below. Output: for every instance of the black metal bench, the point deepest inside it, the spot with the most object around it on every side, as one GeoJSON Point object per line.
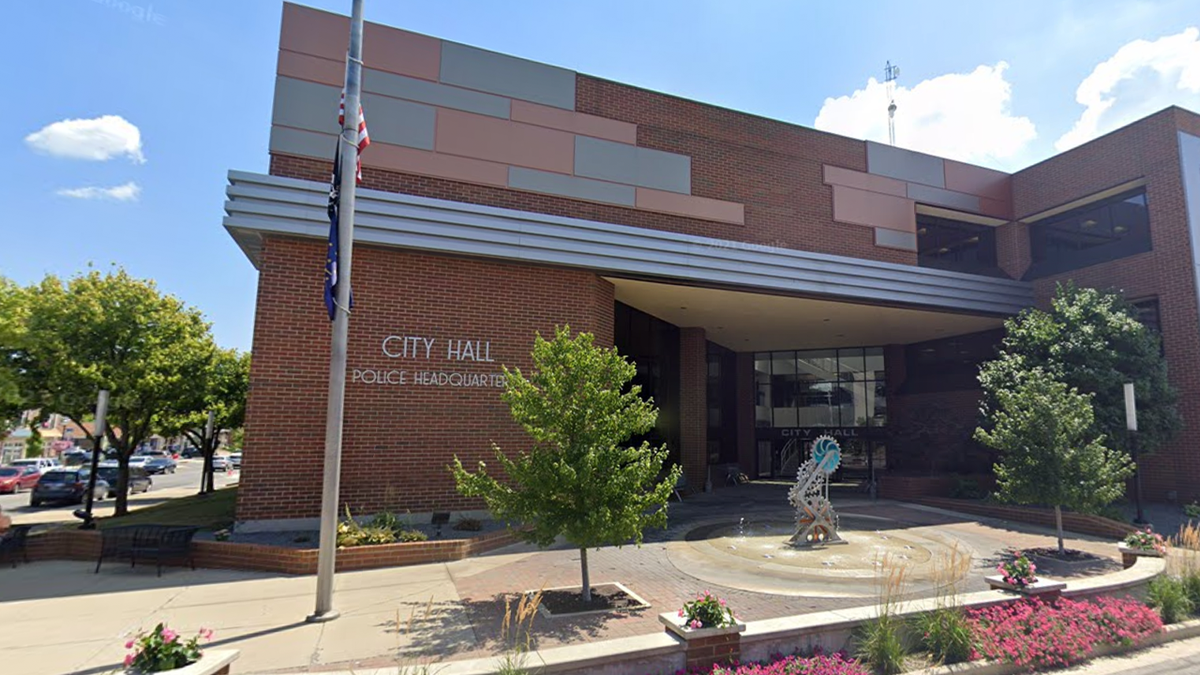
{"type": "Point", "coordinates": [155, 542]}
{"type": "Point", "coordinates": [12, 543]}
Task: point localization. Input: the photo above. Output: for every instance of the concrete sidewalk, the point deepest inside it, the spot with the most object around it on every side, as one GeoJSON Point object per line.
{"type": "Point", "coordinates": [58, 617]}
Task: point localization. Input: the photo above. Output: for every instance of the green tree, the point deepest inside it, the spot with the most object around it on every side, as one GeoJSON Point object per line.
{"type": "Point", "coordinates": [12, 323]}
{"type": "Point", "coordinates": [578, 480]}
{"type": "Point", "coordinates": [112, 331]}
{"type": "Point", "coordinates": [1091, 341]}
{"type": "Point", "coordinates": [1050, 452]}
{"type": "Point", "coordinates": [226, 382]}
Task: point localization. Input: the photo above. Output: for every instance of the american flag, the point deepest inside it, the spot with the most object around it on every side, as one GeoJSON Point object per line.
{"type": "Point", "coordinates": [334, 208]}
{"type": "Point", "coordinates": [364, 139]}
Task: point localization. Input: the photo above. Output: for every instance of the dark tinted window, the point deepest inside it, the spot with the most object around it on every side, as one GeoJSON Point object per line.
{"type": "Point", "coordinates": [957, 246]}
{"type": "Point", "coordinates": [8, 473]}
{"type": "Point", "coordinates": [61, 477]}
{"type": "Point", "coordinates": [1107, 230]}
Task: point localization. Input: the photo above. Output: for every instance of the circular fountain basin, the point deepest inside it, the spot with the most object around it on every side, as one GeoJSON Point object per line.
{"type": "Point", "coordinates": [755, 555]}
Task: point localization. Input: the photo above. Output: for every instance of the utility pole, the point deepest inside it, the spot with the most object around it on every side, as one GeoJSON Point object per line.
{"type": "Point", "coordinates": [347, 157]}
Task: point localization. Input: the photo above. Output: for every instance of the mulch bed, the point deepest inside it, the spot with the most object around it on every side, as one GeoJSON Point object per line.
{"type": "Point", "coordinates": [1069, 555]}
{"type": "Point", "coordinates": [605, 598]}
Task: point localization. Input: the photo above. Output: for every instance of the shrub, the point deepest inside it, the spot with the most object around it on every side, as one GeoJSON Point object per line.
{"type": "Point", "coordinates": [162, 649]}
{"type": "Point", "coordinates": [384, 528]}
{"type": "Point", "coordinates": [1191, 587]}
{"type": "Point", "coordinates": [1146, 540]}
{"type": "Point", "coordinates": [707, 611]}
{"type": "Point", "coordinates": [1019, 572]}
{"type": "Point", "coordinates": [1192, 510]}
{"type": "Point", "coordinates": [1035, 635]}
{"type": "Point", "coordinates": [947, 635]}
{"type": "Point", "coordinates": [967, 488]}
{"type": "Point", "coordinates": [1169, 596]}
{"type": "Point", "coordinates": [411, 535]}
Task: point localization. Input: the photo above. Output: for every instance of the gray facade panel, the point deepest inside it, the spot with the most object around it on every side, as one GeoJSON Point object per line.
{"type": "Point", "coordinates": [629, 164]}
{"type": "Point", "coordinates": [906, 165]}
{"type": "Point", "coordinates": [264, 204]}
{"type": "Point", "coordinates": [507, 76]}
{"type": "Point", "coordinates": [925, 194]}
{"type": "Point", "coordinates": [399, 86]}
{"type": "Point", "coordinates": [895, 239]}
{"type": "Point", "coordinates": [570, 186]}
{"type": "Point", "coordinates": [303, 143]}
{"type": "Point", "coordinates": [306, 105]}
{"type": "Point", "coordinates": [399, 122]}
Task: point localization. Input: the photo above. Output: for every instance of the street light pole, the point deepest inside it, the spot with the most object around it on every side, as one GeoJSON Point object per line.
{"type": "Point", "coordinates": [97, 441]}
{"type": "Point", "coordinates": [1131, 427]}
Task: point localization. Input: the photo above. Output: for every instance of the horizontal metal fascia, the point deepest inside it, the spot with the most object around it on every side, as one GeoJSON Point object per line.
{"type": "Point", "coordinates": [263, 204]}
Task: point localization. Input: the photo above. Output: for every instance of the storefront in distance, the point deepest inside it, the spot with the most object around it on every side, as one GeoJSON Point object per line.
{"type": "Point", "coordinates": [771, 282]}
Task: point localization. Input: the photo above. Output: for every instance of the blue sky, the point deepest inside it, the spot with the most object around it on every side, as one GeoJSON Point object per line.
{"type": "Point", "coordinates": [995, 83]}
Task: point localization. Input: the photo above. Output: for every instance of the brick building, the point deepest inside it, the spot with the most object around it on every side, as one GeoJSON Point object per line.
{"type": "Point", "coordinates": [772, 282]}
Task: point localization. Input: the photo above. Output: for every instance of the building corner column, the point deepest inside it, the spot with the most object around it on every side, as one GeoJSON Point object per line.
{"type": "Point", "coordinates": [744, 406]}
{"type": "Point", "coordinates": [693, 405]}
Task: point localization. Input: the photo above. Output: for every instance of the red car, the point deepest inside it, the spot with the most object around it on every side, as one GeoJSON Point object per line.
{"type": "Point", "coordinates": [17, 478]}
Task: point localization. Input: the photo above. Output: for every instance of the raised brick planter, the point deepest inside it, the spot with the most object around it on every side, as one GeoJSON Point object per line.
{"type": "Point", "coordinates": [1074, 522]}
{"type": "Point", "coordinates": [85, 545]}
{"type": "Point", "coordinates": [706, 646]}
{"type": "Point", "coordinates": [1044, 589]}
{"type": "Point", "coordinates": [1129, 555]}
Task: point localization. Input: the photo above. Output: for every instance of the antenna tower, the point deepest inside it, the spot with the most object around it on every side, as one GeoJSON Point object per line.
{"type": "Point", "coordinates": [890, 73]}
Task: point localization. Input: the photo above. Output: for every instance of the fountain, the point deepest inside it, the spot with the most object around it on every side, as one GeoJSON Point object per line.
{"type": "Point", "coordinates": [816, 521]}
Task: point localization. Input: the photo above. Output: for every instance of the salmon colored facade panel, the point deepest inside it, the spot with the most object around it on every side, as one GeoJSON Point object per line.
{"type": "Point", "coordinates": [310, 68]}
{"type": "Point", "coordinates": [579, 123]}
{"type": "Point", "coordinates": [851, 205]}
{"type": "Point", "coordinates": [397, 158]}
{"type": "Point", "coordinates": [836, 175]}
{"type": "Point", "coordinates": [402, 52]}
{"type": "Point", "coordinates": [311, 31]}
{"type": "Point", "coordinates": [976, 180]}
{"type": "Point", "coordinates": [690, 206]}
{"type": "Point", "coordinates": [497, 140]}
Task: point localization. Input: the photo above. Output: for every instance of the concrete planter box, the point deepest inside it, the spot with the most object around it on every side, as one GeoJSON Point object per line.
{"type": "Point", "coordinates": [212, 662]}
{"type": "Point", "coordinates": [1130, 555]}
{"type": "Point", "coordinates": [706, 646]}
{"type": "Point", "coordinates": [1041, 587]}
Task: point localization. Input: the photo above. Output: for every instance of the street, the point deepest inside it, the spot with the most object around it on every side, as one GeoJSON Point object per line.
{"type": "Point", "coordinates": [185, 481]}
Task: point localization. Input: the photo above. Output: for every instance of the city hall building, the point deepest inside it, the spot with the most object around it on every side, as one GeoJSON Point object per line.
{"type": "Point", "coordinates": [771, 282]}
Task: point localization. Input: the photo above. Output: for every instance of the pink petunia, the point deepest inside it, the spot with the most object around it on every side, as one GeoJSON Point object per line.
{"type": "Point", "coordinates": [128, 660]}
{"type": "Point", "coordinates": [169, 635]}
{"type": "Point", "coordinates": [206, 633]}
{"type": "Point", "coordinates": [696, 623]}
{"type": "Point", "coordinates": [129, 644]}
{"type": "Point", "coordinates": [681, 613]}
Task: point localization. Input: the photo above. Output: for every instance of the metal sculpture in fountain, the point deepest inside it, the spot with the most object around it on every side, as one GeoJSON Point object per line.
{"type": "Point", "coordinates": [816, 521]}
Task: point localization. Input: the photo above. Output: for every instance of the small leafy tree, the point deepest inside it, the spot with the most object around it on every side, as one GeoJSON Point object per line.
{"type": "Point", "coordinates": [111, 331]}
{"type": "Point", "coordinates": [1091, 341]}
{"type": "Point", "coordinates": [226, 382]}
{"type": "Point", "coordinates": [1050, 453]}
{"type": "Point", "coordinates": [12, 325]}
{"type": "Point", "coordinates": [578, 480]}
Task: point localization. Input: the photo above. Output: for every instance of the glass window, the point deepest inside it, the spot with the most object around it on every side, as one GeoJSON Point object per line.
{"type": "Point", "coordinates": [957, 246]}
{"type": "Point", "coordinates": [820, 388]}
{"type": "Point", "coordinates": [1114, 228]}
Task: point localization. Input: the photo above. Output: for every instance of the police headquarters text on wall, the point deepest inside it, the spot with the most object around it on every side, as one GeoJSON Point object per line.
{"type": "Point", "coordinates": [422, 348]}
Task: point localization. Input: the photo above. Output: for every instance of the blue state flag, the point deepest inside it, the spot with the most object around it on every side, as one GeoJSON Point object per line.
{"type": "Point", "coordinates": [331, 252]}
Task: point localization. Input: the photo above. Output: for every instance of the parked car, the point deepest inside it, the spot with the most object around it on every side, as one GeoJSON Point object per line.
{"type": "Point", "coordinates": [191, 453]}
{"type": "Point", "coordinates": [139, 480]}
{"type": "Point", "coordinates": [75, 457]}
{"type": "Point", "coordinates": [17, 478]}
{"type": "Point", "coordinates": [220, 463]}
{"type": "Point", "coordinates": [43, 464]}
{"type": "Point", "coordinates": [157, 464]}
{"type": "Point", "coordinates": [139, 461]}
{"type": "Point", "coordinates": [66, 485]}
{"type": "Point", "coordinates": [235, 460]}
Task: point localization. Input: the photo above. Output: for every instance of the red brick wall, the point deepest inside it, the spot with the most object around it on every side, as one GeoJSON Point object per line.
{"type": "Point", "coordinates": [1146, 149]}
{"type": "Point", "coordinates": [398, 439]}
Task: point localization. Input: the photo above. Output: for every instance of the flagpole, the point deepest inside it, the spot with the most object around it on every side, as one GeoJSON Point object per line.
{"type": "Point", "coordinates": [347, 157]}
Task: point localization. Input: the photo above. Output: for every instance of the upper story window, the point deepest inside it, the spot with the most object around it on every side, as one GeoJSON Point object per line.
{"type": "Point", "coordinates": [956, 246]}
{"type": "Point", "coordinates": [1114, 228]}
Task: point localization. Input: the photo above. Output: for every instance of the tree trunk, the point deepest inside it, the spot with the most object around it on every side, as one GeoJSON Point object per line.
{"type": "Point", "coordinates": [1058, 525]}
{"type": "Point", "coordinates": [122, 506]}
{"type": "Point", "coordinates": [587, 583]}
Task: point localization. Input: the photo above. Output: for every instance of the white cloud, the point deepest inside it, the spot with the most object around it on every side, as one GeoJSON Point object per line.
{"type": "Point", "coordinates": [98, 139]}
{"type": "Point", "coordinates": [963, 116]}
{"type": "Point", "coordinates": [1141, 78]}
{"type": "Point", "coordinates": [119, 193]}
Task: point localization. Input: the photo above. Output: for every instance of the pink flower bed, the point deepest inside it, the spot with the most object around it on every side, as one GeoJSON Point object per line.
{"type": "Point", "coordinates": [817, 664]}
{"type": "Point", "coordinates": [1037, 635]}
